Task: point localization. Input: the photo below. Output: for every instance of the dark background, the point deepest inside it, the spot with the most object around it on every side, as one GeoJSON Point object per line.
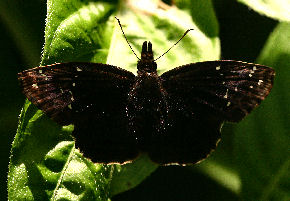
{"type": "Point", "coordinates": [22, 26]}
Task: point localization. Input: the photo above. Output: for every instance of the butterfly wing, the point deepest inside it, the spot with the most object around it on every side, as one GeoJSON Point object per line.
{"type": "Point", "coordinates": [93, 97]}
{"type": "Point", "coordinates": [200, 97]}
{"type": "Point", "coordinates": [231, 89]}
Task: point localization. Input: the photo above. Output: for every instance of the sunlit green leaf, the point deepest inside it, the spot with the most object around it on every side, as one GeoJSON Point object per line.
{"type": "Point", "coordinates": [277, 9]}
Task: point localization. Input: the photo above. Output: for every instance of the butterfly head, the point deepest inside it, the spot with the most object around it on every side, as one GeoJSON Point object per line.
{"type": "Point", "coordinates": [147, 63]}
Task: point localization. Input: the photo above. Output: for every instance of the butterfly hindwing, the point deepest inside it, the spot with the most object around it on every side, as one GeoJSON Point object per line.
{"type": "Point", "coordinates": [93, 97]}
{"type": "Point", "coordinates": [188, 138]}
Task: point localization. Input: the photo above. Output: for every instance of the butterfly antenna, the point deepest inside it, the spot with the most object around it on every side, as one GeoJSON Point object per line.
{"type": "Point", "coordinates": [126, 37]}
{"type": "Point", "coordinates": [188, 30]}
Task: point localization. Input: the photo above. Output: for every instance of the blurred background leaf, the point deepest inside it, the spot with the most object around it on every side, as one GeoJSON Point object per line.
{"type": "Point", "coordinates": [228, 174]}
{"type": "Point", "coordinates": [21, 38]}
{"type": "Point", "coordinates": [276, 9]}
{"type": "Point", "coordinates": [262, 141]}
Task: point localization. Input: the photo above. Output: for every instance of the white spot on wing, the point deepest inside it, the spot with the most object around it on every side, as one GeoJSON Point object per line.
{"type": "Point", "coordinates": [34, 86]}
{"type": "Point", "coordinates": [226, 95]}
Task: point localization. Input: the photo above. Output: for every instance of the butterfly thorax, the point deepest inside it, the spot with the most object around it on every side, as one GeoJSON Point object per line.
{"type": "Point", "coordinates": [146, 63]}
{"type": "Point", "coordinates": [147, 105]}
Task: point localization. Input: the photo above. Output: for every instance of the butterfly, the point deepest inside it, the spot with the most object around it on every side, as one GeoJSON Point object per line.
{"type": "Point", "coordinates": [175, 118]}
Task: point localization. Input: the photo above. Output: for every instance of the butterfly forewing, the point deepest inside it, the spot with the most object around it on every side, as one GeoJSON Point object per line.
{"type": "Point", "coordinates": [230, 89]}
{"type": "Point", "coordinates": [62, 90]}
{"type": "Point", "coordinates": [91, 96]}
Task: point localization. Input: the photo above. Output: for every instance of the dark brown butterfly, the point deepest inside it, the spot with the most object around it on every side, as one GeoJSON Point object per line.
{"type": "Point", "coordinates": [174, 118]}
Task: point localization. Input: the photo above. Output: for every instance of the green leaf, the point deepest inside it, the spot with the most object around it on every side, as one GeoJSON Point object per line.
{"type": "Point", "coordinates": [44, 162]}
{"type": "Point", "coordinates": [77, 31]}
{"type": "Point", "coordinates": [130, 175]}
{"type": "Point", "coordinates": [277, 9]}
{"type": "Point", "coordinates": [45, 165]}
{"type": "Point", "coordinates": [163, 27]}
{"type": "Point", "coordinates": [262, 140]}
